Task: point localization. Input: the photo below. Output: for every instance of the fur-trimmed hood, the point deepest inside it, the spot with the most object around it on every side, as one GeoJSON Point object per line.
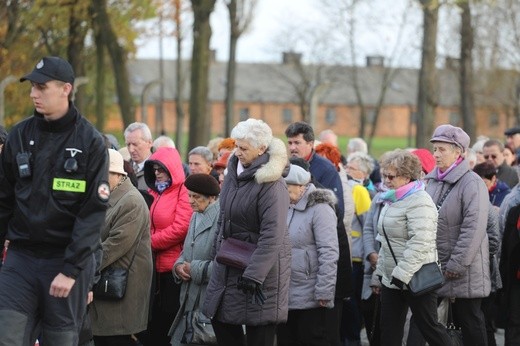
{"type": "Point", "coordinates": [322, 196]}
{"type": "Point", "coordinates": [313, 196]}
{"type": "Point", "coordinates": [278, 160]}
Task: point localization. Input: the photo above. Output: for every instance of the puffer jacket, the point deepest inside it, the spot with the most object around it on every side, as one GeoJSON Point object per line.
{"type": "Point", "coordinates": [462, 241]}
{"type": "Point", "coordinates": [253, 208]}
{"type": "Point", "coordinates": [170, 212]}
{"type": "Point", "coordinates": [315, 250]}
{"type": "Point", "coordinates": [411, 227]}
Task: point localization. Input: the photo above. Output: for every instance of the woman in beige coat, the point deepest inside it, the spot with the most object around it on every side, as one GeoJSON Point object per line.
{"type": "Point", "coordinates": [126, 231]}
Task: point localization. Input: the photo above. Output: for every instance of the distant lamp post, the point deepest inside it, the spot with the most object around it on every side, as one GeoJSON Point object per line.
{"type": "Point", "coordinates": [3, 84]}
{"type": "Point", "coordinates": [144, 95]}
{"type": "Point", "coordinates": [79, 81]}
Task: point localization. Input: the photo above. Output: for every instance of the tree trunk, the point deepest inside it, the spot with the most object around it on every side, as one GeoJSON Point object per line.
{"type": "Point", "coordinates": [179, 81]}
{"type": "Point", "coordinates": [100, 70]}
{"type": "Point", "coordinates": [75, 49]}
{"type": "Point", "coordinates": [118, 57]}
{"type": "Point", "coordinates": [199, 118]}
{"type": "Point", "coordinates": [231, 68]}
{"type": "Point", "coordinates": [427, 94]}
{"type": "Point", "coordinates": [467, 102]}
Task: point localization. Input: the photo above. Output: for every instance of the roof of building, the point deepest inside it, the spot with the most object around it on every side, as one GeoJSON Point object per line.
{"type": "Point", "coordinates": [278, 83]}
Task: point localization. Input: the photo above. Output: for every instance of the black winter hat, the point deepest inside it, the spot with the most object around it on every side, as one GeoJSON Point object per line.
{"type": "Point", "coordinates": [202, 183]}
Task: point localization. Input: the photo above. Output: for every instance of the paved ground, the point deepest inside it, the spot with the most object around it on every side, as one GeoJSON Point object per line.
{"type": "Point", "coordinates": [499, 337]}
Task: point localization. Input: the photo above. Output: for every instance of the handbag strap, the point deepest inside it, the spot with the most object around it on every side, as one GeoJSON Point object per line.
{"type": "Point", "coordinates": [204, 272]}
{"type": "Point", "coordinates": [441, 201]}
{"type": "Point", "coordinates": [388, 241]}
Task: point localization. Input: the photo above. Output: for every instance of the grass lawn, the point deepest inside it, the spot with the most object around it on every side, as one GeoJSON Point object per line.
{"type": "Point", "coordinates": [380, 145]}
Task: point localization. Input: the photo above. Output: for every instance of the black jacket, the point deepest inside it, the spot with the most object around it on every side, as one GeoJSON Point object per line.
{"type": "Point", "coordinates": [54, 212]}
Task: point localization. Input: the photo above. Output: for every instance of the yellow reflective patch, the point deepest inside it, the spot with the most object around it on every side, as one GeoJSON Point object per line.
{"type": "Point", "coordinates": [60, 184]}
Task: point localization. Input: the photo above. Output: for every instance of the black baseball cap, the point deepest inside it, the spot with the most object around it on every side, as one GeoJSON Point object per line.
{"type": "Point", "coordinates": [50, 68]}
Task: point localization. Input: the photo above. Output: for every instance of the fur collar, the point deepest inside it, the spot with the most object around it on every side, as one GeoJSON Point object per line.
{"type": "Point", "coordinates": [274, 168]}
{"type": "Point", "coordinates": [322, 196]}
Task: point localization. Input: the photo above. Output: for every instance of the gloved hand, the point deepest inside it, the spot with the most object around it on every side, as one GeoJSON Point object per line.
{"type": "Point", "coordinates": [252, 287]}
{"type": "Point", "coordinates": [397, 283]}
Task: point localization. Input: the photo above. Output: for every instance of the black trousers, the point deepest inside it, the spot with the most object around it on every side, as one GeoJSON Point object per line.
{"type": "Point", "coordinates": [394, 307]}
{"type": "Point", "coordinates": [165, 305]}
{"type": "Point", "coordinates": [512, 336]}
{"type": "Point", "coordinates": [333, 322]}
{"type": "Point", "coordinates": [303, 327]}
{"type": "Point", "coordinates": [233, 335]}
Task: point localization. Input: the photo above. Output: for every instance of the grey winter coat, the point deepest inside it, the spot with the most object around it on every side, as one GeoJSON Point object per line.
{"type": "Point", "coordinates": [253, 208]}
{"type": "Point", "coordinates": [371, 244]}
{"type": "Point", "coordinates": [315, 250]}
{"type": "Point", "coordinates": [197, 251]}
{"type": "Point", "coordinates": [462, 241]}
{"type": "Point", "coordinates": [127, 220]}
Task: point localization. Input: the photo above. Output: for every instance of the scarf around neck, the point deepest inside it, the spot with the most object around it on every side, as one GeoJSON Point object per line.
{"type": "Point", "coordinates": [392, 196]}
{"type": "Point", "coordinates": [162, 185]}
{"type": "Point", "coordinates": [441, 175]}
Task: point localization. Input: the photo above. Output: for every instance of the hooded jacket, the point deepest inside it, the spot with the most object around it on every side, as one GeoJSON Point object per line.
{"type": "Point", "coordinates": [462, 241]}
{"type": "Point", "coordinates": [315, 250]}
{"type": "Point", "coordinates": [253, 208]}
{"type": "Point", "coordinates": [170, 212]}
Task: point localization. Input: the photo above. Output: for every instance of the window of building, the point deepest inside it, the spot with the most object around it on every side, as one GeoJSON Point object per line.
{"type": "Point", "coordinates": [330, 116]}
{"type": "Point", "coordinates": [494, 120]}
{"type": "Point", "coordinates": [287, 115]}
{"type": "Point", "coordinates": [244, 114]}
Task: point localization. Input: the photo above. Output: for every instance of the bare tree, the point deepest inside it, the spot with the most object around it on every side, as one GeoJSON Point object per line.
{"type": "Point", "coordinates": [427, 93]}
{"type": "Point", "coordinates": [240, 17]}
{"type": "Point", "coordinates": [199, 119]}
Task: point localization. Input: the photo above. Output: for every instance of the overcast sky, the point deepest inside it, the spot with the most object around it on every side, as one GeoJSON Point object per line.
{"type": "Point", "coordinates": [278, 21]}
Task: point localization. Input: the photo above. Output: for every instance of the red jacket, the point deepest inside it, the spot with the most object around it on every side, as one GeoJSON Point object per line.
{"type": "Point", "coordinates": [170, 212]}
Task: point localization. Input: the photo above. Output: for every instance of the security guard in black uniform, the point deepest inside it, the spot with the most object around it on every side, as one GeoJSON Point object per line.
{"type": "Point", "coordinates": [53, 195]}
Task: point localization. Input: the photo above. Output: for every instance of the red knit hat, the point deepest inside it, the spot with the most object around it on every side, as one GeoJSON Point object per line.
{"type": "Point", "coordinates": [426, 158]}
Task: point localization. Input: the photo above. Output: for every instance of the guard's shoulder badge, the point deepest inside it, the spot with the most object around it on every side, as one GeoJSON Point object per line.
{"type": "Point", "coordinates": [103, 191]}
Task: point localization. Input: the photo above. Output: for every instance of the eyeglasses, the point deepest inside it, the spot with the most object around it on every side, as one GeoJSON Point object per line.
{"type": "Point", "coordinates": [492, 156]}
{"type": "Point", "coordinates": [158, 169]}
{"type": "Point", "coordinates": [350, 168]}
{"type": "Point", "coordinates": [388, 176]}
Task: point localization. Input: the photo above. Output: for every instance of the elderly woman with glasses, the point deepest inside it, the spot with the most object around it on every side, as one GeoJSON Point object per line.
{"type": "Point", "coordinates": [170, 216]}
{"type": "Point", "coordinates": [407, 227]}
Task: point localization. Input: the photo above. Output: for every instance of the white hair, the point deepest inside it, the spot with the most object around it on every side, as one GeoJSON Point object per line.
{"type": "Point", "coordinates": [254, 131]}
{"type": "Point", "coordinates": [365, 162]}
{"type": "Point", "coordinates": [145, 130]}
{"type": "Point", "coordinates": [163, 141]}
{"type": "Point", "coordinates": [357, 145]}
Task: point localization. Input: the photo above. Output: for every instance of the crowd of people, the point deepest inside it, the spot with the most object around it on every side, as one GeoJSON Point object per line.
{"type": "Point", "coordinates": [328, 243]}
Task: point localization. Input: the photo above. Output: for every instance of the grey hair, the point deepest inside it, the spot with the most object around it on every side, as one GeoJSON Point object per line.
{"type": "Point", "coordinates": [163, 141]}
{"type": "Point", "coordinates": [254, 131]}
{"type": "Point", "coordinates": [145, 130]}
{"type": "Point", "coordinates": [357, 145]}
{"type": "Point", "coordinates": [471, 157]}
{"type": "Point", "coordinates": [202, 151]}
{"type": "Point", "coordinates": [366, 163]}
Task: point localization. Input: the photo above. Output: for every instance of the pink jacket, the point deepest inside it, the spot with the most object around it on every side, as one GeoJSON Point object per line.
{"type": "Point", "coordinates": [170, 212]}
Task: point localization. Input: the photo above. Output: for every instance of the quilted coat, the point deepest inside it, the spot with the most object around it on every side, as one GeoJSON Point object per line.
{"type": "Point", "coordinates": [411, 227]}
{"type": "Point", "coordinates": [315, 250]}
{"type": "Point", "coordinates": [253, 208]}
{"type": "Point", "coordinates": [170, 212]}
{"type": "Point", "coordinates": [462, 241]}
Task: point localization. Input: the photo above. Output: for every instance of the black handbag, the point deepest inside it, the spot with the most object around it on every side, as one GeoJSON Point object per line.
{"type": "Point", "coordinates": [426, 279]}
{"type": "Point", "coordinates": [455, 333]}
{"type": "Point", "coordinates": [113, 281]}
{"type": "Point", "coordinates": [198, 330]}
